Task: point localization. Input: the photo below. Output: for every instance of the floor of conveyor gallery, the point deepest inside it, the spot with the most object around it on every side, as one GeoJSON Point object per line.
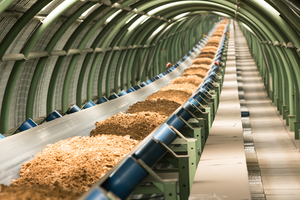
{"type": "Point", "coordinates": [276, 150]}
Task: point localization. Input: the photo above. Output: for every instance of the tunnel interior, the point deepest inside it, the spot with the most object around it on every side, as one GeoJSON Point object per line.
{"type": "Point", "coordinates": [57, 56]}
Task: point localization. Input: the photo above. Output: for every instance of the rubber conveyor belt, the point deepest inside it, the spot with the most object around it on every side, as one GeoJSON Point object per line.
{"type": "Point", "coordinates": [22, 147]}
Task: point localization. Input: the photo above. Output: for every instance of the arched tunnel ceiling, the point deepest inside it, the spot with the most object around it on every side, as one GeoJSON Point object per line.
{"type": "Point", "coordinates": [79, 33]}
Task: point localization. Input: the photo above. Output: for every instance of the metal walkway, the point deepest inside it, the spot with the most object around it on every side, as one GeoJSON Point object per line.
{"type": "Point", "coordinates": [276, 150]}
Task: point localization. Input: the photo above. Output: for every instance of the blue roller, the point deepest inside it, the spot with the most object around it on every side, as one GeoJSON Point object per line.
{"type": "Point", "coordinates": [245, 113]}
{"type": "Point", "coordinates": [113, 96]}
{"type": "Point", "coordinates": [184, 114]}
{"type": "Point", "coordinates": [89, 104]}
{"type": "Point", "coordinates": [188, 106]}
{"type": "Point", "coordinates": [160, 75]}
{"type": "Point", "coordinates": [122, 93]}
{"type": "Point", "coordinates": [148, 82]}
{"type": "Point", "coordinates": [54, 115]}
{"type": "Point", "coordinates": [73, 109]}
{"type": "Point", "coordinates": [157, 77]}
{"type": "Point", "coordinates": [137, 87]}
{"type": "Point", "coordinates": [208, 80]}
{"type": "Point", "coordinates": [150, 152]}
{"type": "Point", "coordinates": [143, 84]}
{"type": "Point", "coordinates": [28, 124]}
{"type": "Point", "coordinates": [175, 122]}
{"type": "Point", "coordinates": [198, 98]}
{"type": "Point", "coordinates": [153, 79]}
{"type": "Point", "coordinates": [215, 67]}
{"type": "Point", "coordinates": [195, 103]}
{"type": "Point", "coordinates": [102, 100]}
{"type": "Point", "coordinates": [130, 90]}
{"type": "Point", "coordinates": [1, 136]}
{"type": "Point", "coordinates": [165, 134]}
{"type": "Point", "coordinates": [207, 86]}
{"type": "Point", "coordinates": [96, 194]}
{"type": "Point", "coordinates": [125, 179]}
{"type": "Point", "coordinates": [201, 92]}
{"type": "Point", "coordinates": [212, 75]}
{"type": "Point", "coordinates": [165, 73]}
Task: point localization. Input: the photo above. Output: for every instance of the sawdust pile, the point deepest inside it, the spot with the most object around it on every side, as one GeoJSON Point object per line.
{"type": "Point", "coordinates": [160, 106]}
{"type": "Point", "coordinates": [171, 95]}
{"type": "Point", "coordinates": [37, 193]}
{"type": "Point", "coordinates": [195, 80]}
{"type": "Point", "coordinates": [137, 125]}
{"type": "Point", "coordinates": [75, 163]}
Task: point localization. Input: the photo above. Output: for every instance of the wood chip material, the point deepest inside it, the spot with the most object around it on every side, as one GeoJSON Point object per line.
{"type": "Point", "coordinates": [75, 163]}
{"type": "Point", "coordinates": [195, 71]}
{"type": "Point", "coordinates": [199, 61]}
{"type": "Point", "coordinates": [171, 95]}
{"type": "Point", "coordinates": [137, 125]}
{"type": "Point", "coordinates": [195, 80]}
{"type": "Point", "coordinates": [37, 193]}
{"type": "Point", "coordinates": [160, 106]}
{"type": "Point", "coordinates": [186, 87]}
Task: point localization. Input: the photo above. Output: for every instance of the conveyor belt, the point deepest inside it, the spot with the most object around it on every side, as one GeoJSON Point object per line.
{"type": "Point", "coordinates": [125, 177]}
{"type": "Point", "coordinates": [19, 148]}
{"type": "Point", "coordinates": [22, 147]}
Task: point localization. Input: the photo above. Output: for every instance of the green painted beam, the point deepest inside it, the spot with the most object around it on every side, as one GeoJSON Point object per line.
{"type": "Point", "coordinates": [4, 4]}
{"type": "Point", "coordinates": [91, 75]}
{"type": "Point", "coordinates": [117, 72]}
{"type": "Point", "coordinates": [101, 73]}
{"type": "Point", "coordinates": [20, 24]}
